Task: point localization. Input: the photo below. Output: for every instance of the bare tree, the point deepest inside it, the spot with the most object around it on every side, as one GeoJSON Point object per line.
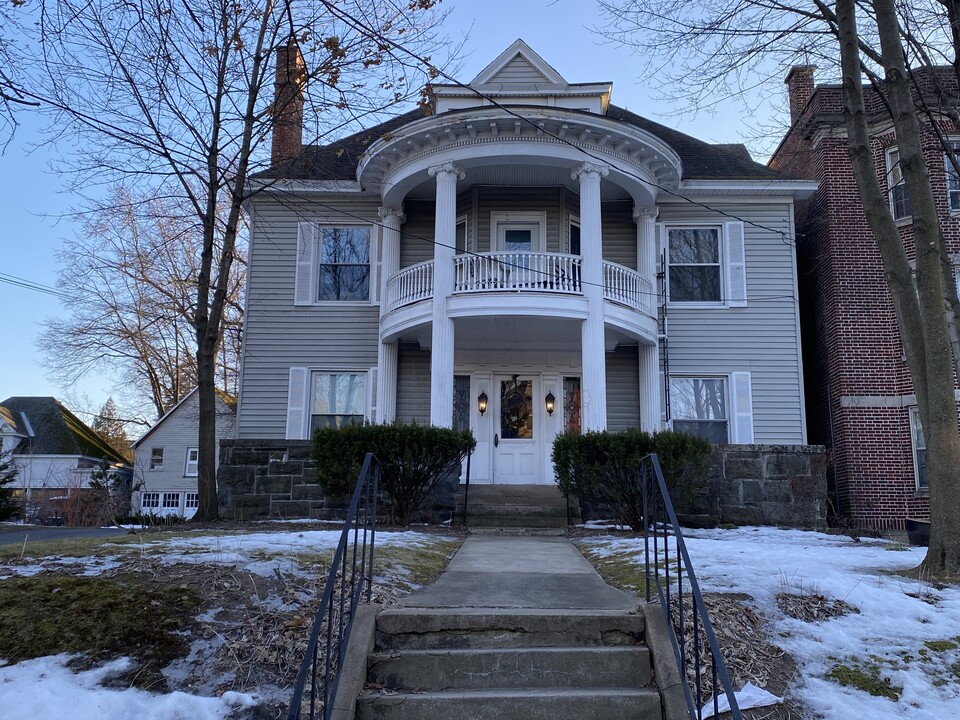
{"type": "Point", "coordinates": [737, 45]}
{"type": "Point", "coordinates": [130, 277]}
{"type": "Point", "coordinates": [175, 97]}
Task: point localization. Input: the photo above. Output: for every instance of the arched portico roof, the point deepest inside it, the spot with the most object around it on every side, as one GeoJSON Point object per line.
{"type": "Point", "coordinates": [639, 162]}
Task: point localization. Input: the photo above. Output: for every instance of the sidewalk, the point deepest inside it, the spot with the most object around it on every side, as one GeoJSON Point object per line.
{"type": "Point", "coordinates": [492, 571]}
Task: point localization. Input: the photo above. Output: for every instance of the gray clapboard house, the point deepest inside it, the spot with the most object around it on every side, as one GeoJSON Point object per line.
{"type": "Point", "coordinates": [525, 258]}
{"type": "Point", "coordinates": [165, 466]}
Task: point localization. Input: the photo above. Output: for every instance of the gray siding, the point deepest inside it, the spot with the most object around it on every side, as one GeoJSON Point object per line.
{"type": "Point", "coordinates": [623, 389]}
{"type": "Point", "coordinates": [416, 238]}
{"type": "Point", "coordinates": [513, 199]}
{"type": "Point", "coordinates": [762, 338]}
{"type": "Point", "coordinates": [279, 335]}
{"type": "Point", "coordinates": [518, 70]}
{"type": "Point", "coordinates": [619, 233]}
{"type": "Point", "coordinates": [413, 385]}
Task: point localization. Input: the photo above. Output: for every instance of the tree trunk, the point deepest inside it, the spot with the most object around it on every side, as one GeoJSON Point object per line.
{"type": "Point", "coordinates": [208, 508]}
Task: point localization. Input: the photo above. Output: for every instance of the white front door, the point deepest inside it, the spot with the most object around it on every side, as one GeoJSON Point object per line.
{"type": "Point", "coordinates": [517, 428]}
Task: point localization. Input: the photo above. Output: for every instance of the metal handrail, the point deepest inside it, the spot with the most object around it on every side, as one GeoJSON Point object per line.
{"type": "Point", "coordinates": [324, 668]}
{"type": "Point", "coordinates": [657, 498]}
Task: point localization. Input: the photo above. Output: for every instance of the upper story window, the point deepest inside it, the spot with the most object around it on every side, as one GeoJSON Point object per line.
{"type": "Point", "coordinates": [953, 179]}
{"type": "Point", "coordinates": [694, 255]}
{"type": "Point", "coordinates": [519, 231]}
{"type": "Point", "coordinates": [334, 264]}
{"type": "Point", "coordinates": [897, 188]}
{"type": "Point", "coordinates": [337, 399]}
{"type": "Point", "coordinates": [344, 263]}
{"type": "Point", "coordinates": [193, 461]}
{"type": "Point", "coordinates": [156, 458]}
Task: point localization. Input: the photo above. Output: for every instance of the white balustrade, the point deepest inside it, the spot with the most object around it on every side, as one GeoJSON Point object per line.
{"type": "Point", "coordinates": [627, 287]}
{"type": "Point", "coordinates": [410, 285]}
{"type": "Point", "coordinates": [520, 272]}
{"type": "Point", "coordinates": [517, 271]}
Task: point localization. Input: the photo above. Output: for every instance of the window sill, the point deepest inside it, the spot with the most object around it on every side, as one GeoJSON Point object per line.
{"type": "Point", "coordinates": [904, 221]}
{"type": "Point", "coordinates": [681, 305]}
{"type": "Point", "coordinates": [341, 303]}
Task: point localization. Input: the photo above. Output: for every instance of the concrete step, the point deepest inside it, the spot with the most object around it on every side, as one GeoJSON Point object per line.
{"type": "Point", "coordinates": [515, 495]}
{"type": "Point", "coordinates": [517, 531]}
{"type": "Point", "coordinates": [419, 629]}
{"type": "Point", "coordinates": [512, 704]}
{"type": "Point", "coordinates": [520, 521]}
{"type": "Point", "coordinates": [483, 509]}
{"type": "Point", "coordinates": [445, 669]}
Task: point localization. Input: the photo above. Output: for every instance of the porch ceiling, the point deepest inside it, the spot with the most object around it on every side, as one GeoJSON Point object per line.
{"type": "Point", "coordinates": [517, 333]}
{"type": "Point", "coordinates": [519, 175]}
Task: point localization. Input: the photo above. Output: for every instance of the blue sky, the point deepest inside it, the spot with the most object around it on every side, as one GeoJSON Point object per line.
{"type": "Point", "coordinates": [32, 194]}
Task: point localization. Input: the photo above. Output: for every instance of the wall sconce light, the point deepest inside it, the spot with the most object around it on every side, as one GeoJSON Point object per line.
{"type": "Point", "coordinates": [550, 401]}
{"type": "Point", "coordinates": [482, 403]}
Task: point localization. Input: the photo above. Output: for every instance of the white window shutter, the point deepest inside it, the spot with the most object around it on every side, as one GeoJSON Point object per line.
{"type": "Point", "coordinates": [298, 401]}
{"type": "Point", "coordinates": [736, 291]}
{"type": "Point", "coordinates": [742, 405]}
{"type": "Point", "coordinates": [305, 285]}
{"type": "Point", "coordinates": [372, 395]}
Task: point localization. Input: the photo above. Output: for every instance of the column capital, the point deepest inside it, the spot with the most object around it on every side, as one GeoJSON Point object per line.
{"type": "Point", "coordinates": [445, 171]}
{"type": "Point", "coordinates": [640, 214]}
{"type": "Point", "coordinates": [392, 212]}
{"type": "Point", "coordinates": [590, 170]}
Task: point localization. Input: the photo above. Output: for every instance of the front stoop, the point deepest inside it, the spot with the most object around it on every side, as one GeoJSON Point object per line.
{"type": "Point", "coordinates": [496, 664]}
{"type": "Point", "coordinates": [516, 506]}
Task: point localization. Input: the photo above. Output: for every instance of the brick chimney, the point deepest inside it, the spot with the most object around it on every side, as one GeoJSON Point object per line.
{"type": "Point", "coordinates": [800, 87]}
{"type": "Point", "coordinates": [288, 104]}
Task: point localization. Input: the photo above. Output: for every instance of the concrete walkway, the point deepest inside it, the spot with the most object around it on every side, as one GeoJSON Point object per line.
{"type": "Point", "coordinates": [491, 571]}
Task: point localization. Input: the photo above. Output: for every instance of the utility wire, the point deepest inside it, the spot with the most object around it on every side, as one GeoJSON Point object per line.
{"type": "Point", "coordinates": [35, 286]}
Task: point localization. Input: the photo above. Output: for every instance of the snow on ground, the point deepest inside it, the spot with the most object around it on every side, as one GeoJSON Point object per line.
{"type": "Point", "coordinates": [887, 638]}
{"type": "Point", "coordinates": [44, 688]}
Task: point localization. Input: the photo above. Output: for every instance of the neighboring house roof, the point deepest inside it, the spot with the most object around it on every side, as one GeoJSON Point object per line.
{"type": "Point", "coordinates": [51, 429]}
{"type": "Point", "coordinates": [226, 398]}
{"type": "Point", "coordinates": [701, 160]}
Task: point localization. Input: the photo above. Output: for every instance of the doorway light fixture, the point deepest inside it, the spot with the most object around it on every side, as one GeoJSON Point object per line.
{"type": "Point", "coordinates": [550, 402]}
{"type": "Point", "coordinates": [482, 402]}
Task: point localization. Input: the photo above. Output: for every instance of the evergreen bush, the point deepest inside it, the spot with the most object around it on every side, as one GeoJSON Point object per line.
{"type": "Point", "coordinates": [415, 459]}
{"type": "Point", "coordinates": [602, 468]}
{"type": "Point", "coordinates": [10, 506]}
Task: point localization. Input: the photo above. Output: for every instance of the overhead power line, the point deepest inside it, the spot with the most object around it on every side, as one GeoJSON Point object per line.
{"type": "Point", "coordinates": [34, 286]}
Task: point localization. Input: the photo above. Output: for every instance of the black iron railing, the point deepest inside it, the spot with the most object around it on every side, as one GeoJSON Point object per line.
{"type": "Point", "coordinates": [349, 579]}
{"type": "Point", "coordinates": [697, 652]}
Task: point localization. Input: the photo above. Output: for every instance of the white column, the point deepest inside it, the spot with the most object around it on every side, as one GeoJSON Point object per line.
{"type": "Point", "coordinates": [392, 218]}
{"type": "Point", "coordinates": [650, 388]}
{"type": "Point", "coordinates": [594, 381]}
{"type": "Point", "coordinates": [646, 221]}
{"type": "Point", "coordinates": [442, 341]}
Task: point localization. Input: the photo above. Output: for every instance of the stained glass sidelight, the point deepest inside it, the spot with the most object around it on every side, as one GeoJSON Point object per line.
{"type": "Point", "coordinates": [571, 404]}
{"type": "Point", "coordinates": [516, 409]}
{"type": "Point", "coordinates": [461, 402]}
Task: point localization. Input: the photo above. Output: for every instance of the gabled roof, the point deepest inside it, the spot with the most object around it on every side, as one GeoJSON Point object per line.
{"type": "Point", "coordinates": [518, 58]}
{"type": "Point", "coordinates": [226, 398]}
{"type": "Point", "coordinates": [56, 430]}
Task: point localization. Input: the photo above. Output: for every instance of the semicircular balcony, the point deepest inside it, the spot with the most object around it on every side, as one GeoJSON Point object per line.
{"type": "Point", "coordinates": [498, 279]}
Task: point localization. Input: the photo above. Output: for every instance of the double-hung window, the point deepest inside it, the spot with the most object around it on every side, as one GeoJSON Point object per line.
{"type": "Point", "coordinates": [919, 451]}
{"type": "Point", "coordinates": [156, 458]}
{"type": "Point", "coordinates": [695, 264]}
{"type": "Point", "coordinates": [897, 188]}
{"type": "Point", "coordinates": [344, 266]}
{"type": "Point", "coordinates": [193, 460]}
{"type": "Point", "coordinates": [699, 407]}
{"type": "Point", "coordinates": [337, 399]}
{"type": "Point", "coordinates": [953, 178]}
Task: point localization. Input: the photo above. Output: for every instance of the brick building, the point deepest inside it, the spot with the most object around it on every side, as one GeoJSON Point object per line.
{"type": "Point", "coordinates": [860, 398]}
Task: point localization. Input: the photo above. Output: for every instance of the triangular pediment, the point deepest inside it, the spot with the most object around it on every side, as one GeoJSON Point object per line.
{"type": "Point", "coordinates": [519, 65]}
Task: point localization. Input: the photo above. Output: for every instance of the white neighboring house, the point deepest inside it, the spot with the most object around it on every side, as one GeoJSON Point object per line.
{"type": "Point", "coordinates": [165, 467]}
{"type": "Point", "coordinates": [55, 452]}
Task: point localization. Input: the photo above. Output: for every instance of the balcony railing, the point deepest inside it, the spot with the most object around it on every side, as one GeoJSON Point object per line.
{"type": "Point", "coordinates": [410, 285]}
{"type": "Point", "coordinates": [517, 271]}
{"type": "Point", "coordinates": [520, 272]}
{"type": "Point", "coordinates": [628, 287]}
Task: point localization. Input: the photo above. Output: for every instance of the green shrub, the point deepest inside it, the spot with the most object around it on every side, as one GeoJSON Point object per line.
{"type": "Point", "coordinates": [601, 468]}
{"type": "Point", "coordinates": [415, 458]}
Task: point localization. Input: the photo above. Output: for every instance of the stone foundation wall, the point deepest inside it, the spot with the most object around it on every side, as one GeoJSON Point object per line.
{"type": "Point", "coordinates": [270, 478]}
{"type": "Point", "coordinates": [783, 485]}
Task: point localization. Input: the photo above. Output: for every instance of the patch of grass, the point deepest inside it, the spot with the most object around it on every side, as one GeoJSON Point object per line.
{"type": "Point", "coordinates": [866, 678]}
{"type": "Point", "coordinates": [75, 547]}
{"type": "Point", "coordinates": [941, 645]}
{"type": "Point", "coordinates": [97, 619]}
{"type": "Point", "coordinates": [622, 570]}
{"type": "Point", "coordinates": [423, 563]}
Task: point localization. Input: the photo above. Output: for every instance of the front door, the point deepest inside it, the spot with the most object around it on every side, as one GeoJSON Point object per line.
{"type": "Point", "coordinates": [516, 456]}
